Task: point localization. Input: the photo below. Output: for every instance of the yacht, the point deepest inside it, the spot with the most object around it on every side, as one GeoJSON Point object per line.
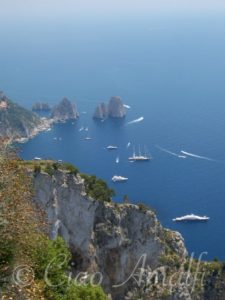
{"type": "Point", "coordinates": [140, 156]}
{"type": "Point", "coordinates": [119, 178]}
{"type": "Point", "coordinates": [111, 147]}
{"type": "Point", "coordinates": [191, 217]}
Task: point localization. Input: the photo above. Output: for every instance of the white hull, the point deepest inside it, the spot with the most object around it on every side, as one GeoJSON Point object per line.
{"type": "Point", "coordinates": [119, 179]}
{"type": "Point", "coordinates": [191, 218]}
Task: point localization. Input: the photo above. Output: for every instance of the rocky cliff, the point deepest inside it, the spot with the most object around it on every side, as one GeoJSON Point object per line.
{"type": "Point", "coordinates": [18, 123]}
{"type": "Point", "coordinates": [104, 237]}
{"type": "Point", "coordinates": [64, 111]}
{"type": "Point", "coordinates": [114, 109]}
{"type": "Point", "coordinates": [137, 257]}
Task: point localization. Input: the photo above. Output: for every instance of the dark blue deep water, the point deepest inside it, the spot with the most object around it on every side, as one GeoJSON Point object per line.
{"type": "Point", "coordinates": [171, 71]}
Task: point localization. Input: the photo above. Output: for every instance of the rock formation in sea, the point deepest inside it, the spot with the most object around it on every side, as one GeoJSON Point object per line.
{"type": "Point", "coordinates": [114, 109]}
{"type": "Point", "coordinates": [41, 106]}
{"type": "Point", "coordinates": [101, 111]}
{"type": "Point", "coordinates": [64, 111]}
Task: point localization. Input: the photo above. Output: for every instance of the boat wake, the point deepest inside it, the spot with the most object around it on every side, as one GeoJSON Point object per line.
{"type": "Point", "coordinates": [128, 145]}
{"type": "Point", "coordinates": [197, 156]}
{"type": "Point", "coordinates": [136, 121]}
{"type": "Point", "coordinates": [170, 152]}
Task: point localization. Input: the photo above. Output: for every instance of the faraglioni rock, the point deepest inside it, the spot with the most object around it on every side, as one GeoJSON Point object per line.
{"type": "Point", "coordinates": [101, 111]}
{"type": "Point", "coordinates": [114, 109]}
{"type": "Point", "coordinates": [64, 111]}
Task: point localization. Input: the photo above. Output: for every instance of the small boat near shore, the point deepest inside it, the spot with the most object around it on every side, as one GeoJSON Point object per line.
{"type": "Point", "coordinates": [191, 218]}
{"type": "Point", "coordinates": [119, 178]}
{"type": "Point", "coordinates": [37, 158]}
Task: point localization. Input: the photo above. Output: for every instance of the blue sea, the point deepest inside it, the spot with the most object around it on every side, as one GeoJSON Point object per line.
{"type": "Point", "coordinates": [170, 70]}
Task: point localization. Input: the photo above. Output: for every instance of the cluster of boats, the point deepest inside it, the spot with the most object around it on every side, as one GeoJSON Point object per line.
{"type": "Point", "coordinates": [134, 158]}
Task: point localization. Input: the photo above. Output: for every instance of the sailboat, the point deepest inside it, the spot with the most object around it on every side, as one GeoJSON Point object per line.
{"type": "Point", "coordinates": [140, 156]}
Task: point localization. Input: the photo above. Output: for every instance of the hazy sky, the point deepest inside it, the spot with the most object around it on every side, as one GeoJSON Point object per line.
{"type": "Point", "coordinates": [32, 8]}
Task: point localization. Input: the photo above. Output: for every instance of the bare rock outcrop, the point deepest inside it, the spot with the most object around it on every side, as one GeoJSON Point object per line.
{"type": "Point", "coordinates": [64, 111]}
{"type": "Point", "coordinates": [114, 109]}
{"type": "Point", "coordinates": [104, 237]}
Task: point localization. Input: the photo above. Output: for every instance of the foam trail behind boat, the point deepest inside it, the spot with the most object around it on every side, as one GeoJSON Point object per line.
{"type": "Point", "coordinates": [136, 121]}
{"type": "Point", "coordinates": [197, 156]}
{"type": "Point", "coordinates": [128, 145]}
{"type": "Point", "coordinates": [170, 152]}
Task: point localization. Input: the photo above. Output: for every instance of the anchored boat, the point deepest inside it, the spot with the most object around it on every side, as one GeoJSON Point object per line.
{"type": "Point", "coordinates": [191, 217]}
{"type": "Point", "coordinates": [140, 156]}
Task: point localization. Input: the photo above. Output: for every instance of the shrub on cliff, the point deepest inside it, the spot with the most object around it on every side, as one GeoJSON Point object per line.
{"type": "Point", "coordinates": [97, 188]}
{"type": "Point", "coordinates": [25, 247]}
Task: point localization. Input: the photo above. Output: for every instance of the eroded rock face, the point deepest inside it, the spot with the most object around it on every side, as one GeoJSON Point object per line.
{"type": "Point", "coordinates": [101, 111]}
{"type": "Point", "coordinates": [64, 111]}
{"type": "Point", "coordinates": [116, 108]}
{"type": "Point", "coordinates": [106, 237]}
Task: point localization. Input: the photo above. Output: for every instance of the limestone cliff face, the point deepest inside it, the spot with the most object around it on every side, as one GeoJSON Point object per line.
{"type": "Point", "coordinates": [103, 237]}
{"type": "Point", "coordinates": [64, 111]}
{"type": "Point", "coordinates": [114, 109]}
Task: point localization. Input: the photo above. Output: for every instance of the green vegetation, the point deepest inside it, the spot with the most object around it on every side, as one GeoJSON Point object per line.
{"type": "Point", "coordinates": [16, 120]}
{"type": "Point", "coordinates": [24, 243]}
{"type": "Point", "coordinates": [144, 207]}
{"type": "Point", "coordinates": [97, 188]}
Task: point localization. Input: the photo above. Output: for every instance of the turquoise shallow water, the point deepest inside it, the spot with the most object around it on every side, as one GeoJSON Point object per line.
{"type": "Point", "coordinates": [171, 71]}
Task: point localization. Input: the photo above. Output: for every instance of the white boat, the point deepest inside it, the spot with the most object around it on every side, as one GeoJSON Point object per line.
{"type": "Point", "coordinates": [37, 158]}
{"type": "Point", "coordinates": [139, 157]}
{"type": "Point", "coordinates": [128, 145]}
{"type": "Point", "coordinates": [81, 129]}
{"type": "Point", "coordinates": [117, 159]}
{"type": "Point", "coordinates": [119, 178]}
{"type": "Point", "coordinates": [88, 138]}
{"type": "Point", "coordinates": [191, 217]}
{"type": "Point", "coordinates": [111, 147]}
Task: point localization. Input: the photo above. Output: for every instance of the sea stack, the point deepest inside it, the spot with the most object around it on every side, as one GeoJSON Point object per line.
{"type": "Point", "coordinates": [101, 111]}
{"type": "Point", "coordinates": [64, 111]}
{"type": "Point", "coordinates": [114, 109]}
